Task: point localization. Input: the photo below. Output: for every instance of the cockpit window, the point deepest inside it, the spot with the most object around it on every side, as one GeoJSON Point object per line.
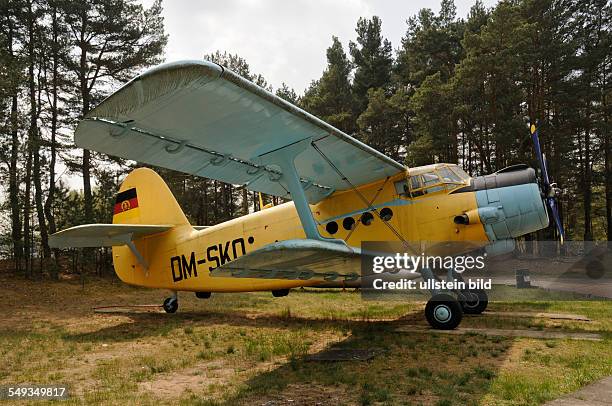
{"type": "Point", "coordinates": [448, 176]}
{"type": "Point", "coordinates": [444, 177]}
{"type": "Point", "coordinates": [430, 179]}
{"type": "Point", "coordinates": [460, 172]}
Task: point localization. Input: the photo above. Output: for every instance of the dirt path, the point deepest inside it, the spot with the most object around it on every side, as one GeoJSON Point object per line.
{"type": "Point", "coordinates": [596, 394]}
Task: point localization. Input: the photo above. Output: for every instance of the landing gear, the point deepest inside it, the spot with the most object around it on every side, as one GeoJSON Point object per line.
{"type": "Point", "coordinates": [443, 312]}
{"type": "Point", "coordinates": [473, 301]}
{"type": "Point", "coordinates": [171, 304]}
{"type": "Point", "coordinates": [280, 292]}
{"type": "Point", "coordinates": [203, 295]}
{"type": "Point", "coordinates": [595, 269]}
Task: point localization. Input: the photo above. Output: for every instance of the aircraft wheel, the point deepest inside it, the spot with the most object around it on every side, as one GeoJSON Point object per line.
{"type": "Point", "coordinates": [473, 301]}
{"type": "Point", "coordinates": [170, 305]}
{"type": "Point", "coordinates": [280, 292]}
{"type": "Point", "coordinates": [595, 269]}
{"type": "Point", "coordinates": [443, 312]}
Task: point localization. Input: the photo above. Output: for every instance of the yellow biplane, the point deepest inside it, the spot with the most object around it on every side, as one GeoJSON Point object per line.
{"type": "Point", "coordinates": [200, 118]}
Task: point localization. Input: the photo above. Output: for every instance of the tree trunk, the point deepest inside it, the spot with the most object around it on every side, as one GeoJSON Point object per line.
{"type": "Point", "coordinates": [87, 197]}
{"type": "Point", "coordinates": [608, 180]}
{"type": "Point", "coordinates": [608, 160]}
{"type": "Point", "coordinates": [14, 188]}
{"type": "Point", "coordinates": [26, 213]}
{"type": "Point", "coordinates": [206, 207]}
{"type": "Point", "coordinates": [245, 201]}
{"type": "Point", "coordinates": [587, 187]}
{"type": "Point", "coordinates": [216, 202]}
{"type": "Point", "coordinates": [34, 135]}
{"type": "Point", "coordinates": [85, 97]}
{"type": "Point", "coordinates": [54, 117]}
{"type": "Point", "coordinates": [13, 176]}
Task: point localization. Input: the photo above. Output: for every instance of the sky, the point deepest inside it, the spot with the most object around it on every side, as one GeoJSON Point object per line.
{"type": "Point", "coordinates": [283, 40]}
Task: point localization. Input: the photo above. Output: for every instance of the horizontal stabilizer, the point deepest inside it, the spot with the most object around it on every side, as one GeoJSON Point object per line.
{"type": "Point", "coordinates": [296, 260]}
{"type": "Point", "coordinates": [103, 235]}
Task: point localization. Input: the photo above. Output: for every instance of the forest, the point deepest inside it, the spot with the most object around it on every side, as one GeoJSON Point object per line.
{"type": "Point", "coordinates": [460, 90]}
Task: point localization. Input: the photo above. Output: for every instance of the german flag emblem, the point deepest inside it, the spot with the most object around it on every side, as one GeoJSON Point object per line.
{"type": "Point", "coordinates": [126, 200]}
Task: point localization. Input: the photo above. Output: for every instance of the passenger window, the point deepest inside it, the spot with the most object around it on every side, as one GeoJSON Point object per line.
{"type": "Point", "coordinates": [401, 188]}
{"type": "Point", "coordinates": [366, 218]}
{"type": "Point", "coordinates": [348, 223]}
{"type": "Point", "coordinates": [332, 227]}
{"type": "Point", "coordinates": [415, 184]}
{"type": "Point", "coordinates": [386, 214]}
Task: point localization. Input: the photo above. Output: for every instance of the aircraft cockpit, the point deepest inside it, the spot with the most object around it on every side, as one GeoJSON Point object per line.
{"type": "Point", "coordinates": [424, 180]}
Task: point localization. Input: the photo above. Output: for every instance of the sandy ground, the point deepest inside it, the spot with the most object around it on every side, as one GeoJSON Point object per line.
{"type": "Point", "coordinates": [253, 349]}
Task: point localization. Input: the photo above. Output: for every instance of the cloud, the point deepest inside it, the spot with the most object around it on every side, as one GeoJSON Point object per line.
{"type": "Point", "coordinates": [285, 41]}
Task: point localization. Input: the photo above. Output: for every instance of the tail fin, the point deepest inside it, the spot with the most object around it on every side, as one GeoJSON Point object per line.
{"type": "Point", "coordinates": [144, 198]}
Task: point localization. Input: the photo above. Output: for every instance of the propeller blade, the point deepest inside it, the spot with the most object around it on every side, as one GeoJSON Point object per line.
{"type": "Point", "coordinates": [541, 159]}
{"type": "Point", "coordinates": [548, 189]}
{"type": "Point", "coordinates": [552, 204]}
{"type": "Point", "coordinates": [545, 171]}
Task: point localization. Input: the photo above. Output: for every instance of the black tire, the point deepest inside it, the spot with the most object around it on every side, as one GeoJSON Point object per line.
{"type": "Point", "coordinates": [203, 295]}
{"type": "Point", "coordinates": [170, 305]}
{"type": "Point", "coordinates": [473, 301]}
{"type": "Point", "coordinates": [595, 269]}
{"type": "Point", "coordinates": [280, 292]}
{"type": "Point", "coordinates": [443, 312]}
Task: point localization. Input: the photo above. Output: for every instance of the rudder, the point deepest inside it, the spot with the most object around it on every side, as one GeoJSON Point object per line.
{"type": "Point", "coordinates": [144, 198]}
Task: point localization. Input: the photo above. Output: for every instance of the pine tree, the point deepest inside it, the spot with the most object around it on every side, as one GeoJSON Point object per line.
{"type": "Point", "coordinates": [12, 70]}
{"type": "Point", "coordinates": [330, 98]}
{"type": "Point", "coordinates": [432, 44]}
{"type": "Point", "coordinates": [385, 122]}
{"type": "Point", "coordinates": [288, 94]}
{"type": "Point", "coordinates": [238, 65]}
{"type": "Point", "coordinates": [435, 128]}
{"type": "Point", "coordinates": [373, 60]}
{"type": "Point", "coordinates": [113, 39]}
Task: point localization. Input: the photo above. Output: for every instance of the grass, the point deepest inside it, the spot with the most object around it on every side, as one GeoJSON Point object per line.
{"type": "Point", "coordinates": [250, 349]}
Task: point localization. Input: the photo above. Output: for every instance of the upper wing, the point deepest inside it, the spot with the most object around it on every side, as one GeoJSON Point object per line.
{"type": "Point", "coordinates": [200, 118]}
{"type": "Point", "coordinates": [296, 260]}
{"type": "Point", "coordinates": [103, 235]}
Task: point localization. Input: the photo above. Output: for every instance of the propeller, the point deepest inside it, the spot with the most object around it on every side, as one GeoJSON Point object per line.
{"type": "Point", "coordinates": [550, 190]}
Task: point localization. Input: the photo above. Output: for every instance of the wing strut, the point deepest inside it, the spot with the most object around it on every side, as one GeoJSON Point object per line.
{"type": "Point", "coordinates": [138, 256]}
{"type": "Point", "coordinates": [285, 158]}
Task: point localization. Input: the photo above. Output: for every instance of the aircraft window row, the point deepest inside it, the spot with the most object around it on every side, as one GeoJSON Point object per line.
{"type": "Point", "coordinates": [366, 219]}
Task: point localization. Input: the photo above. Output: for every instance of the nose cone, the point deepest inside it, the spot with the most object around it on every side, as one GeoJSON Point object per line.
{"type": "Point", "coordinates": [514, 209]}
